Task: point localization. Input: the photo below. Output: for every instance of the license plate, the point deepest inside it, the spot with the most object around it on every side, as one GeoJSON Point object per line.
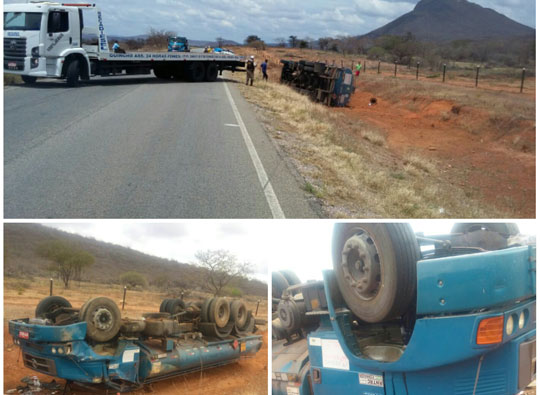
{"type": "Point", "coordinates": [12, 65]}
{"type": "Point", "coordinates": [242, 346]}
{"type": "Point", "coordinates": [23, 335]}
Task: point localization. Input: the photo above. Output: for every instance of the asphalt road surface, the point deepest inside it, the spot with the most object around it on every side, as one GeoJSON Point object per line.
{"type": "Point", "coordinates": [141, 148]}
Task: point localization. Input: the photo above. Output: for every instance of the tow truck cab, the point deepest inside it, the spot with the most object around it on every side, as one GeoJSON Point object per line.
{"type": "Point", "coordinates": [39, 37]}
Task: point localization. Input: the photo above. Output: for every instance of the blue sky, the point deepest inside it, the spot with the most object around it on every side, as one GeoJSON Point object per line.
{"type": "Point", "coordinates": [236, 19]}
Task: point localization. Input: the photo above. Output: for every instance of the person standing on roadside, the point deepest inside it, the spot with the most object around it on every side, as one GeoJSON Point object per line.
{"type": "Point", "coordinates": [264, 66]}
{"type": "Point", "coordinates": [358, 68]}
{"type": "Point", "coordinates": [250, 70]}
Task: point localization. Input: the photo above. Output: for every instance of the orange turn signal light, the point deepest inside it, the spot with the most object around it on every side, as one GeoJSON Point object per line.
{"type": "Point", "coordinates": [490, 330]}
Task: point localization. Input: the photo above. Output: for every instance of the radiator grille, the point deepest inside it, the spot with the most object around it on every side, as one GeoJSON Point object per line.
{"type": "Point", "coordinates": [40, 364]}
{"type": "Point", "coordinates": [14, 53]}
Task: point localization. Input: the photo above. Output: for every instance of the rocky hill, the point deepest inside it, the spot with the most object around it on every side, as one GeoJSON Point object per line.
{"type": "Point", "coordinates": [447, 20]}
{"type": "Point", "coordinates": [21, 260]}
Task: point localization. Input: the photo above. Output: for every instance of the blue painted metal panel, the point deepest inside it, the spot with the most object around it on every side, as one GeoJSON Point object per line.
{"type": "Point", "coordinates": [476, 281]}
{"type": "Point", "coordinates": [42, 333]}
{"type": "Point", "coordinates": [426, 349]}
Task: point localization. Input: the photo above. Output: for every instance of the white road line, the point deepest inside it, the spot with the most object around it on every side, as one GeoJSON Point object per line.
{"type": "Point", "coordinates": [266, 185]}
{"type": "Point", "coordinates": [232, 125]}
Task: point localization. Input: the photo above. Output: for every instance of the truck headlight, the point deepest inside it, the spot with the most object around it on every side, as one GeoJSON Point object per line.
{"type": "Point", "coordinates": [34, 62]}
{"type": "Point", "coordinates": [521, 321]}
{"type": "Point", "coordinates": [510, 325]}
{"type": "Point", "coordinates": [53, 350]}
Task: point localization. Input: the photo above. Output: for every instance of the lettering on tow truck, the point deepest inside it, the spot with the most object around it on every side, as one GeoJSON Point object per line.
{"type": "Point", "coordinates": [56, 40]}
{"type": "Point", "coordinates": [13, 34]}
{"type": "Point", "coordinates": [102, 39]}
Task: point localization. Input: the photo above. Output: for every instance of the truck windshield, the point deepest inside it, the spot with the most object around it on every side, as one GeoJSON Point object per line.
{"type": "Point", "coordinates": [22, 20]}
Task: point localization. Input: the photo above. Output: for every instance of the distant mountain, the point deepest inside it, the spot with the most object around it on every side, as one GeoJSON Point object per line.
{"type": "Point", "coordinates": [446, 20]}
{"type": "Point", "coordinates": [21, 259]}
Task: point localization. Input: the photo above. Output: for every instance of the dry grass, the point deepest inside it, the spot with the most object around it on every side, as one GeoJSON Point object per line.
{"type": "Point", "coordinates": [352, 176]}
{"type": "Point", "coordinates": [12, 79]}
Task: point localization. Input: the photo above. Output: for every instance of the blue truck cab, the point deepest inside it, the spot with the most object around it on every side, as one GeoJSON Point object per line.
{"type": "Point", "coordinates": [141, 351]}
{"type": "Point", "coordinates": [473, 332]}
{"type": "Point", "coordinates": [177, 44]}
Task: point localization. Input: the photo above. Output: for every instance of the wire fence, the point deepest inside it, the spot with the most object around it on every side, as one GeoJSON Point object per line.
{"type": "Point", "coordinates": [511, 80]}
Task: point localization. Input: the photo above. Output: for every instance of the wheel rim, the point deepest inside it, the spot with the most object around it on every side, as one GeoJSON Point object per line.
{"type": "Point", "coordinates": [102, 319]}
{"type": "Point", "coordinates": [360, 263]}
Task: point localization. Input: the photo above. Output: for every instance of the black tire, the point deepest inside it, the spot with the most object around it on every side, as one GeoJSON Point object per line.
{"type": "Point", "coordinates": [279, 284]}
{"type": "Point", "coordinates": [211, 72]}
{"type": "Point", "coordinates": [73, 73]}
{"type": "Point", "coordinates": [28, 80]}
{"type": "Point", "coordinates": [175, 306]}
{"type": "Point", "coordinates": [196, 71]}
{"type": "Point", "coordinates": [49, 304]}
{"type": "Point", "coordinates": [103, 319]}
{"type": "Point", "coordinates": [204, 309]}
{"type": "Point", "coordinates": [375, 267]}
{"type": "Point", "coordinates": [163, 305]}
{"type": "Point", "coordinates": [504, 229]}
{"type": "Point", "coordinates": [239, 313]}
{"type": "Point", "coordinates": [219, 312]}
{"type": "Point", "coordinates": [290, 276]}
{"type": "Point", "coordinates": [163, 73]}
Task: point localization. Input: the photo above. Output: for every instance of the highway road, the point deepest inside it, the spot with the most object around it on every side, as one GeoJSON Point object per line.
{"type": "Point", "coordinates": [137, 147]}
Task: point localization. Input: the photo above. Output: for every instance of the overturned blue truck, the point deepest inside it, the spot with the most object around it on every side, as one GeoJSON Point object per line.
{"type": "Point", "coordinates": [95, 347]}
{"type": "Point", "coordinates": [401, 313]}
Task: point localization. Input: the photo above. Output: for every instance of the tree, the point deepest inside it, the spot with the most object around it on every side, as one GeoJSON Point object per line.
{"type": "Point", "coordinates": [251, 38]}
{"type": "Point", "coordinates": [68, 262]}
{"type": "Point", "coordinates": [158, 38]}
{"type": "Point", "coordinates": [302, 44]}
{"type": "Point", "coordinates": [222, 267]}
{"type": "Point", "coordinates": [293, 41]}
{"type": "Point", "coordinates": [133, 279]}
{"type": "Point", "coordinates": [281, 42]}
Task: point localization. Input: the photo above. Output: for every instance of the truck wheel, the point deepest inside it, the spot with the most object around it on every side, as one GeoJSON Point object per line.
{"type": "Point", "coordinates": [375, 267]}
{"type": "Point", "coordinates": [196, 71]}
{"type": "Point", "coordinates": [279, 284]}
{"type": "Point", "coordinates": [103, 319]}
{"type": "Point", "coordinates": [505, 229]}
{"type": "Point", "coordinates": [163, 305]}
{"type": "Point", "coordinates": [162, 73]}
{"type": "Point", "coordinates": [49, 304]}
{"type": "Point", "coordinates": [73, 72]}
{"type": "Point", "coordinates": [290, 276]}
{"type": "Point", "coordinates": [29, 80]}
{"type": "Point", "coordinates": [175, 306]}
{"type": "Point", "coordinates": [204, 309]}
{"type": "Point", "coordinates": [211, 72]}
{"type": "Point", "coordinates": [219, 312]}
{"type": "Point", "coordinates": [239, 313]}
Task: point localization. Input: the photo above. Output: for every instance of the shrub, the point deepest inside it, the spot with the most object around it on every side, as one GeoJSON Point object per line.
{"type": "Point", "coordinates": [133, 279]}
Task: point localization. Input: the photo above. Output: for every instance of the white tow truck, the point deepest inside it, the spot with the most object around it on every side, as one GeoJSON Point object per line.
{"type": "Point", "coordinates": [44, 39]}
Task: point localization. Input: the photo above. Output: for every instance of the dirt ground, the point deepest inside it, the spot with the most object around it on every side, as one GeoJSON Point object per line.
{"type": "Point", "coordinates": [249, 376]}
{"type": "Point", "coordinates": [485, 160]}
{"type": "Point", "coordinates": [483, 139]}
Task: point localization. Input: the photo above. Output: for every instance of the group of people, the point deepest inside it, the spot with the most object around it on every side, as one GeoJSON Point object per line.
{"type": "Point", "coordinates": [250, 70]}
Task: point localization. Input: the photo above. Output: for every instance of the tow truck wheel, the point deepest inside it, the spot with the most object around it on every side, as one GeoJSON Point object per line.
{"type": "Point", "coordinates": [219, 312]}
{"type": "Point", "coordinates": [196, 71]}
{"type": "Point", "coordinates": [239, 313]}
{"type": "Point", "coordinates": [375, 267]}
{"type": "Point", "coordinates": [103, 319]}
{"type": "Point", "coordinates": [211, 72]}
{"type": "Point", "coordinates": [505, 229]}
{"type": "Point", "coordinates": [27, 79]}
{"type": "Point", "coordinates": [73, 72]}
{"type": "Point", "coordinates": [49, 304]}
